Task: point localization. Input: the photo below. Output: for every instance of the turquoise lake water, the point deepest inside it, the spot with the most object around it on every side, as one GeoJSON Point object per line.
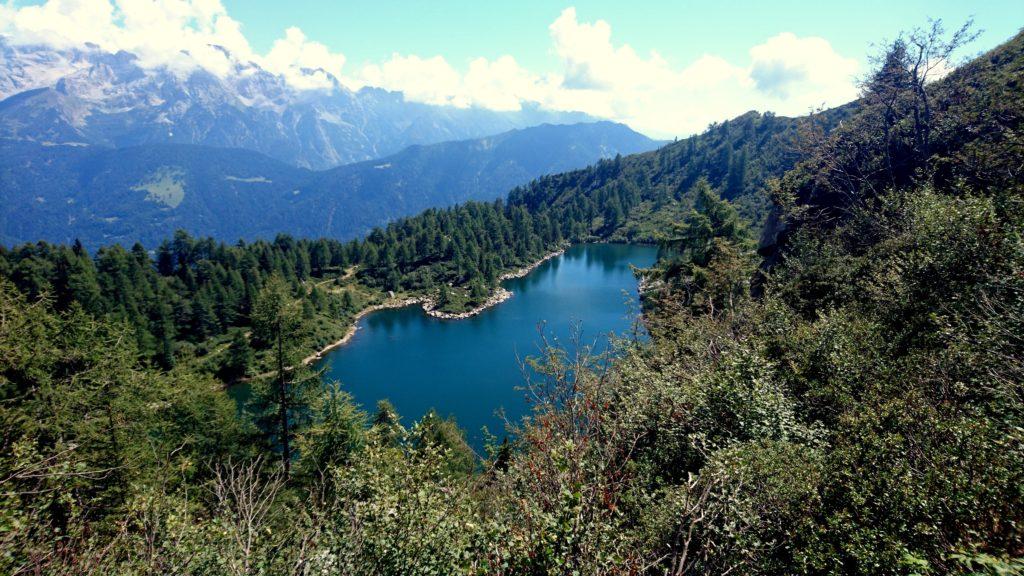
{"type": "Point", "coordinates": [470, 368]}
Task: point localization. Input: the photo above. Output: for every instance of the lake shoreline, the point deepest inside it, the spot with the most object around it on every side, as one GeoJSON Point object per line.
{"type": "Point", "coordinates": [428, 305]}
{"type": "Point", "coordinates": [351, 332]}
{"type": "Point", "coordinates": [527, 269]}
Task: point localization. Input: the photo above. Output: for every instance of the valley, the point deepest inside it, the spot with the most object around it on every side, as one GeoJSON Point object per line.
{"type": "Point", "coordinates": [261, 314]}
{"type": "Point", "coordinates": [421, 363]}
{"type": "Point", "coordinates": [144, 194]}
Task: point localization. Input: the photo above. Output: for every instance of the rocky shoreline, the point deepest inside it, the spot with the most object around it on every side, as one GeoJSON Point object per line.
{"type": "Point", "coordinates": [355, 326]}
{"type": "Point", "coordinates": [499, 296]}
{"type": "Point", "coordinates": [429, 306]}
{"type": "Point", "coordinates": [527, 269]}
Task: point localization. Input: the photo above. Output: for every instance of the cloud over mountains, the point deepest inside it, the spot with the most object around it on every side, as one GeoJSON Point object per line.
{"type": "Point", "coordinates": [786, 74]}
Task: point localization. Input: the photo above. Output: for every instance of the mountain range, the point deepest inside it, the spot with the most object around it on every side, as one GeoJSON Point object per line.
{"type": "Point", "coordinates": [99, 147]}
{"type": "Point", "coordinates": [144, 193]}
{"type": "Point", "coordinates": [86, 95]}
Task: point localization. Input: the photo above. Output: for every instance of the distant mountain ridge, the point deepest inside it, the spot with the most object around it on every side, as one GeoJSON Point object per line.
{"type": "Point", "coordinates": [90, 96]}
{"type": "Point", "coordinates": [144, 193]}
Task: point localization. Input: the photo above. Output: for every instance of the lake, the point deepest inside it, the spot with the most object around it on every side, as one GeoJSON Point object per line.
{"type": "Point", "coordinates": [470, 368]}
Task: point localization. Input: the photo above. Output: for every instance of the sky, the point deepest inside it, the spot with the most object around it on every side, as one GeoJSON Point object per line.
{"type": "Point", "coordinates": [665, 68]}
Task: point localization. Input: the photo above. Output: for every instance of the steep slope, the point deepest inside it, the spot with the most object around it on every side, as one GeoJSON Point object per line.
{"type": "Point", "coordinates": [104, 195]}
{"type": "Point", "coordinates": [862, 416]}
{"type": "Point", "coordinates": [968, 138]}
{"type": "Point", "coordinates": [422, 177]}
{"type": "Point", "coordinates": [144, 193]}
{"type": "Point", "coordinates": [738, 157]}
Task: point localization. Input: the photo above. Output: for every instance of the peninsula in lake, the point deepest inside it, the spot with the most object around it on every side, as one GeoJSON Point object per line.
{"type": "Point", "coordinates": [494, 289]}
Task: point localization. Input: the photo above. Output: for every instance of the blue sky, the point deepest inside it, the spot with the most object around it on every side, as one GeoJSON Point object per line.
{"type": "Point", "coordinates": [665, 68]}
{"type": "Point", "coordinates": [679, 30]}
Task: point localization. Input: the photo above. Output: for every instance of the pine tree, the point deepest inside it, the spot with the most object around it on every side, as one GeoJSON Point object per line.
{"type": "Point", "coordinates": [285, 401]}
{"type": "Point", "coordinates": [347, 302]}
{"type": "Point", "coordinates": [338, 432]}
{"type": "Point", "coordinates": [444, 296]}
{"type": "Point", "coordinates": [477, 291]}
{"type": "Point", "coordinates": [386, 424]}
{"type": "Point", "coordinates": [204, 319]}
{"type": "Point", "coordinates": [239, 360]}
{"type": "Point", "coordinates": [712, 254]}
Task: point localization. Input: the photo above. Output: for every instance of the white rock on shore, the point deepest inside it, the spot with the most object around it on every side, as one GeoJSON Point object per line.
{"type": "Point", "coordinates": [499, 296]}
{"type": "Point", "coordinates": [429, 305]}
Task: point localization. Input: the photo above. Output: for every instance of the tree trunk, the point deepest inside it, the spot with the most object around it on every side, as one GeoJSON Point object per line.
{"type": "Point", "coordinates": [286, 453]}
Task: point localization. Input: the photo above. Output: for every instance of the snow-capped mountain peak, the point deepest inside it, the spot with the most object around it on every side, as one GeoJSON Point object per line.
{"type": "Point", "coordinates": [88, 95]}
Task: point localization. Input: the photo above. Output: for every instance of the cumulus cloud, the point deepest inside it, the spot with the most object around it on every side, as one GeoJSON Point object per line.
{"type": "Point", "coordinates": [62, 23]}
{"type": "Point", "coordinates": [429, 80]}
{"type": "Point", "coordinates": [499, 84]}
{"type": "Point", "coordinates": [304, 63]}
{"type": "Point", "coordinates": [592, 62]}
{"type": "Point", "coordinates": [786, 74]}
{"type": "Point", "coordinates": [180, 34]}
{"type": "Point", "coordinates": [786, 64]}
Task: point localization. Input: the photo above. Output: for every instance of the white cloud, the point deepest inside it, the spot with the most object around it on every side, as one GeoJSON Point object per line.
{"type": "Point", "coordinates": [62, 23]}
{"type": "Point", "coordinates": [181, 34]}
{"type": "Point", "coordinates": [786, 65]}
{"type": "Point", "coordinates": [939, 69]}
{"type": "Point", "coordinates": [592, 62]}
{"type": "Point", "coordinates": [499, 84]}
{"type": "Point", "coordinates": [429, 80]}
{"type": "Point", "coordinates": [786, 74]}
{"type": "Point", "coordinates": [304, 63]}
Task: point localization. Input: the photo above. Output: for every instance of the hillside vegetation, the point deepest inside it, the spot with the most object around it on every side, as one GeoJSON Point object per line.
{"type": "Point", "coordinates": [187, 300]}
{"type": "Point", "coordinates": [843, 398]}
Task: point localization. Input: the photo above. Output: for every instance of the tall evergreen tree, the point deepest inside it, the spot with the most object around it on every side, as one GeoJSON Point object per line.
{"type": "Point", "coordinates": [238, 361]}
{"type": "Point", "coordinates": [285, 401]}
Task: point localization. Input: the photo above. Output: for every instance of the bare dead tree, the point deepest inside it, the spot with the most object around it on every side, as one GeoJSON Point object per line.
{"type": "Point", "coordinates": [244, 496]}
{"type": "Point", "coordinates": [928, 52]}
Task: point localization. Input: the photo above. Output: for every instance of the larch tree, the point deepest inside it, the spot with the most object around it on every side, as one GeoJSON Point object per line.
{"type": "Point", "coordinates": [277, 322]}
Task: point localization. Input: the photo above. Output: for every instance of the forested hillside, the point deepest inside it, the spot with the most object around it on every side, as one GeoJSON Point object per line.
{"type": "Point", "coordinates": [848, 401]}
{"type": "Point", "coordinates": [101, 196]}
{"type": "Point", "coordinates": [193, 290]}
{"type": "Point", "coordinates": [737, 157]}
